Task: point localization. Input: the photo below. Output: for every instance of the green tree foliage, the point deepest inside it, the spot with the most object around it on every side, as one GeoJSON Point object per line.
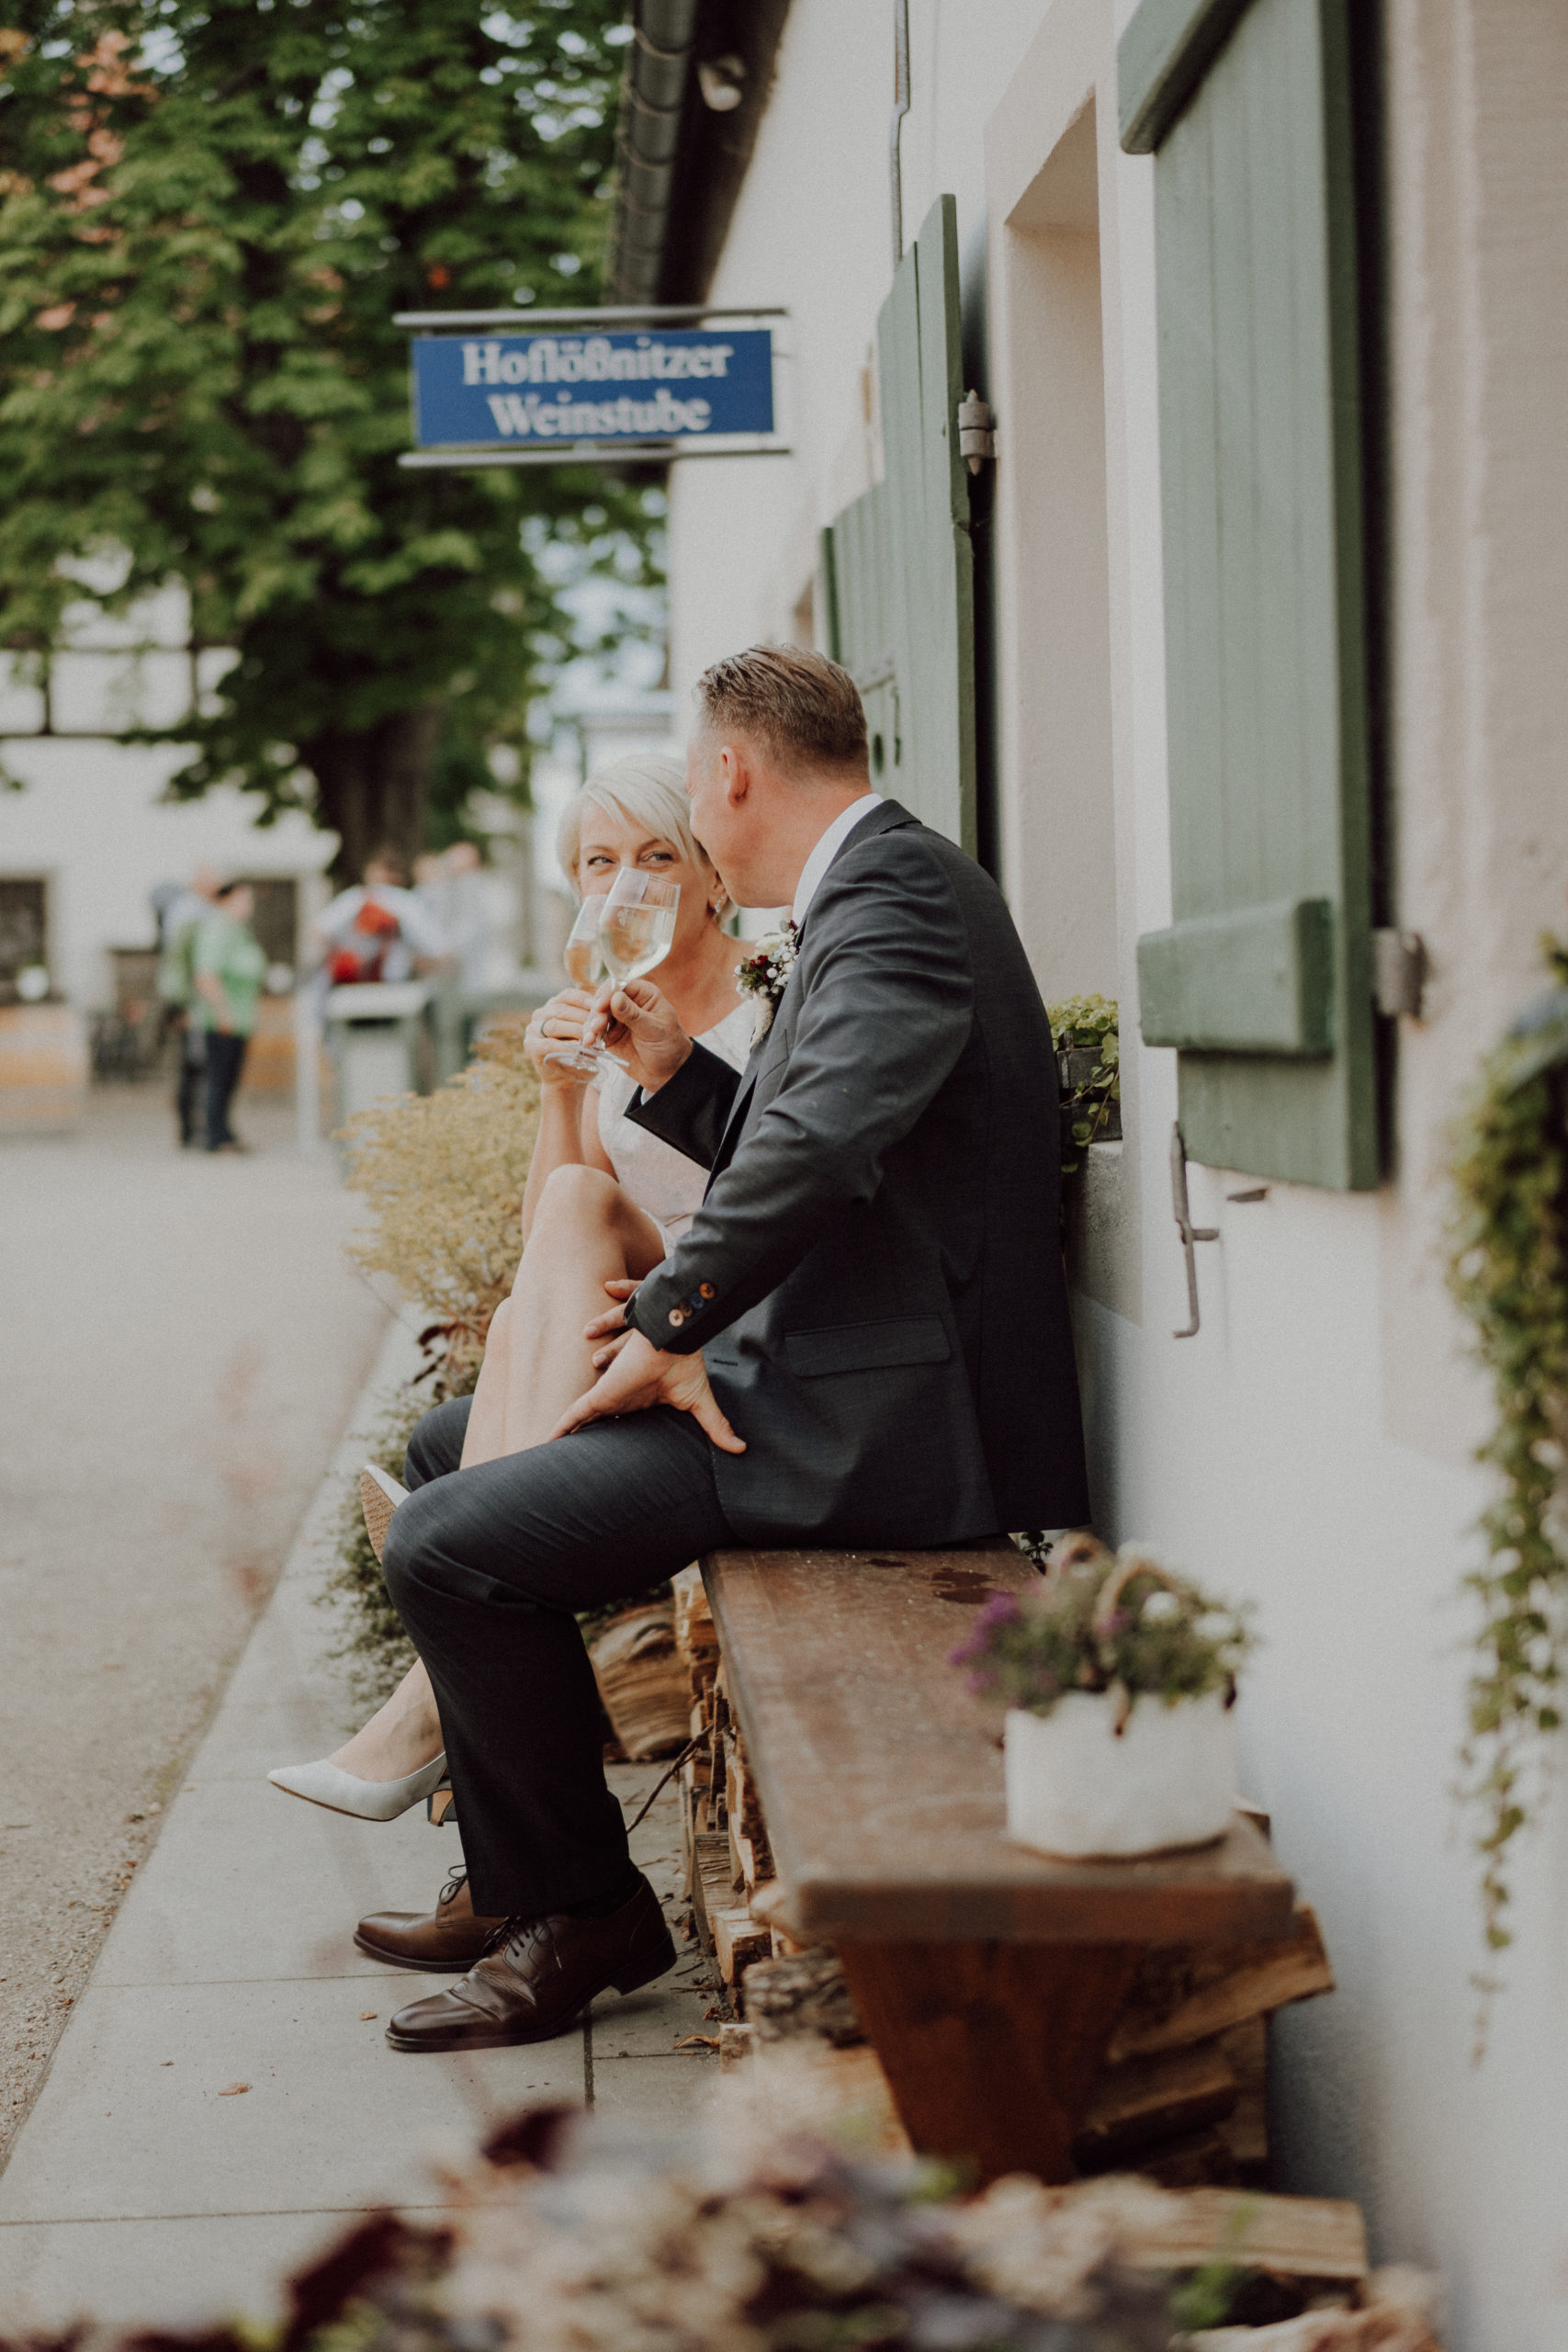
{"type": "Point", "coordinates": [211, 210]}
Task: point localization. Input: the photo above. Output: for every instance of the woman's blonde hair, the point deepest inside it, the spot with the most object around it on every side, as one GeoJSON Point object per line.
{"type": "Point", "coordinates": [646, 788]}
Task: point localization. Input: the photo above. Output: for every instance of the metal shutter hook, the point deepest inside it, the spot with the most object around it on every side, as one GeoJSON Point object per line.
{"type": "Point", "coordinates": [1189, 1231]}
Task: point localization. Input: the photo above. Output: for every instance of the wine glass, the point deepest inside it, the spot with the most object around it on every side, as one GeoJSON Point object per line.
{"type": "Point", "coordinates": [636, 927]}
{"type": "Point", "coordinates": [584, 959]}
{"type": "Point", "coordinates": [637, 923]}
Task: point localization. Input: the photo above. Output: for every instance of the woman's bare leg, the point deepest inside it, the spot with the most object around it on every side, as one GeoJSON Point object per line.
{"type": "Point", "coordinates": [402, 1736]}
{"type": "Point", "coordinates": [485, 1438]}
{"type": "Point", "coordinates": [585, 1233]}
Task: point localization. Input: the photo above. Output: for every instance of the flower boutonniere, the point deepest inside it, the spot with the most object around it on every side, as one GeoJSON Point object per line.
{"type": "Point", "coordinates": [764, 975]}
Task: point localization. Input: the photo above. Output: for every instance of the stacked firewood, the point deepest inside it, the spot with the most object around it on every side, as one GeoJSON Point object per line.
{"type": "Point", "coordinates": [1184, 2093]}
{"type": "Point", "coordinates": [642, 1681]}
{"type": "Point", "coordinates": [1301, 2262]}
{"type": "Point", "coordinates": [724, 1843]}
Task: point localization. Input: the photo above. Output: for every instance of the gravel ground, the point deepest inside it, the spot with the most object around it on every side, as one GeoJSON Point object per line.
{"type": "Point", "coordinates": [183, 1343]}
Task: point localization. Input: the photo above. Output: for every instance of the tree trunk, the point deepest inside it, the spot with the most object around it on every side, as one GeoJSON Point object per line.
{"type": "Point", "coordinates": [371, 787]}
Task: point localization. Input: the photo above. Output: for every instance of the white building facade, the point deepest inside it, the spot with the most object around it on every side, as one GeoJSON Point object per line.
{"type": "Point", "coordinates": [1312, 1447]}
{"type": "Point", "coordinates": [90, 829]}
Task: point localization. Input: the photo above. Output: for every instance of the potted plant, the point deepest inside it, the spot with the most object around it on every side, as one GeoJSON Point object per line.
{"type": "Point", "coordinates": [1119, 1681]}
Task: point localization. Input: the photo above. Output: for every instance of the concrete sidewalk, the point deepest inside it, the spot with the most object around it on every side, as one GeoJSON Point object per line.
{"type": "Point", "coordinates": [183, 1340]}
{"type": "Point", "coordinates": [137, 2189]}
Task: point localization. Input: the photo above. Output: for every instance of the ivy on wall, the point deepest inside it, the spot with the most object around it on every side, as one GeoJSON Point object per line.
{"type": "Point", "coordinates": [1509, 1274]}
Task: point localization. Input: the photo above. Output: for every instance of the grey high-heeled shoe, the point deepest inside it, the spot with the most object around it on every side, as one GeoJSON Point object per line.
{"type": "Point", "coordinates": [341, 1792]}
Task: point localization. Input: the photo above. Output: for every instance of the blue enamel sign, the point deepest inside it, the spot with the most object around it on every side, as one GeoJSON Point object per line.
{"type": "Point", "coordinates": [681, 385]}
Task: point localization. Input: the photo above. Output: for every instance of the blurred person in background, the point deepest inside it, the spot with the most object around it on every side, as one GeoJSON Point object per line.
{"type": "Point", "coordinates": [379, 930]}
{"type": "Point", "coordinates": [461, 896]}
{"type": "Point", "coordinates": [179, 910]}
{"type": "Point", "coordinates": [229, 969]}
{"type": "Point", "coordinates": [458, 894]}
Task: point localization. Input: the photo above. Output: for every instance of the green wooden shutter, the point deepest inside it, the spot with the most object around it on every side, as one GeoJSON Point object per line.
{"type": "Point", "coordinates": [899, 570]}
{"type": "Point", "coordinates": [1264, 981]}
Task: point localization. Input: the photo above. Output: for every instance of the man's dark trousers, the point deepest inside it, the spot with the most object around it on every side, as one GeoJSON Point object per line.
{"type": "Point", "coordinates": [190, 1091]}
{"type": "Point", "coordinates": [591, 1518]}
{"type": "Point", "coordinates": [225, 1060]}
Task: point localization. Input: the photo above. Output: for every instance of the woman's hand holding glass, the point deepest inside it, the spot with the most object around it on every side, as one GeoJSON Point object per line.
{"type": "Point", "coordinates": [554, 1035]}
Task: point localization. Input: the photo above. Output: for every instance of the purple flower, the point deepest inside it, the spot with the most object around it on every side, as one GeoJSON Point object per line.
{"type": "Point", "coordinates": [1003, 1609]}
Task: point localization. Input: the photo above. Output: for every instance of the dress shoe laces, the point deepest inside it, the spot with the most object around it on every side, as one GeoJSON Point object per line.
{"type": "Point", "coordinates": [506, 1931]}
{"type": "Point", "coordinates": [451, 1889]}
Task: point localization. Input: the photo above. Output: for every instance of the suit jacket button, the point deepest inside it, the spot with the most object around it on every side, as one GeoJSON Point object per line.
{"type": "Point", "coordinates": [677, 1315]}
{"type": "Point", "coordinates": [704, 1289]}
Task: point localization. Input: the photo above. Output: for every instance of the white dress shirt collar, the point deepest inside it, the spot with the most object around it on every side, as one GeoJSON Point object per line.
{"type": "Point", "coordinates": [827, 849]}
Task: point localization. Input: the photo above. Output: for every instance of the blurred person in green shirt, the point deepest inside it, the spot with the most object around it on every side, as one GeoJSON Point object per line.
{"type": "Point", "coordinates": [229, 967]}
{"type": "Point", "coordinates": [180, 908]}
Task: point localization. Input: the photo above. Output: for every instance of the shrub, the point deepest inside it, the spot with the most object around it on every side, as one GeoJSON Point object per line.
{"type": "Point", "coordinates": [444, 1174]}
{"type": "Point", "coordinates": [373, 1647]}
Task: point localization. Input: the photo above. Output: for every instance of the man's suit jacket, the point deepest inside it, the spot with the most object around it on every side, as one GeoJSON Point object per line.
{"type": "Point", "coordinates": [875, 1274]}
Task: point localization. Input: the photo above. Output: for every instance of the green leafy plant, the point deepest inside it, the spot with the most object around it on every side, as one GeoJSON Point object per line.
{"type": "Point", "coordinates": [1508, 1272]}
{"type": "Point", "coordinates": [1103, 1620]}
{"type": "Point", "coordinates": [1082, 1025]}
{"type": "Point", "coordinates": [210, 212]}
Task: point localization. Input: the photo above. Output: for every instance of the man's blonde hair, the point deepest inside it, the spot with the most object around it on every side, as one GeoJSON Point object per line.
{"type": "Point", "coordinates": [804, 709]}
{"type": "Point", "coordinates": [646, 788]}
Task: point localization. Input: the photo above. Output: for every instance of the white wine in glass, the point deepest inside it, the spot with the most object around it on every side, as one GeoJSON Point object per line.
{"type": "Point", "coordinates": [584, 960]}
{"type": "Point", "coordinates": [636, 927]}
{"type": "Point", "coordinates": [636, 934]}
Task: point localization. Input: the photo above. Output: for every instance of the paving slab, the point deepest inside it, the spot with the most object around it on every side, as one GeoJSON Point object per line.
{"type": "Point", "coordinates": [649, 2023]}
{"type": "Point", "coordinates": [253, 1884]}
{"type": "Point", "coordinates": [332, 2116]}
{"type": "Point", "coordinates": [666, 2094]}
{"type": "Point", "coordinates": [185, 2271]}
{"type": "Point", "coordinates": [145, 2188]}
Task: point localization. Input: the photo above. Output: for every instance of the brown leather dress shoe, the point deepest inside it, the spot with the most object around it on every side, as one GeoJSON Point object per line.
{"type": "Point", "coordinates": [540, 1978]}
{"type": "Point", "coordinates": [442, 1942]}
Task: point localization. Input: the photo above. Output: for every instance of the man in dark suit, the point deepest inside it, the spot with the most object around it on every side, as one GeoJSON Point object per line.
{"type": "Point", "coordinates": [861, 1340]}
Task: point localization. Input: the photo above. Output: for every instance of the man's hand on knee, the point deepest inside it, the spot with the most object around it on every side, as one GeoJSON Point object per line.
{"type": "Point", "coordinates": [639, 1374]}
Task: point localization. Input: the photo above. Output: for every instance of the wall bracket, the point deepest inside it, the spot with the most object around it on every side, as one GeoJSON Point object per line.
{"type": "Point", "coordinates": [1189, 1231]}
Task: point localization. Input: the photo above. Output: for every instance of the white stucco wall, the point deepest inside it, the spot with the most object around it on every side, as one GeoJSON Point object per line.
{"type": "Point", "coordinates": [90, 816]}
{"type": "Point", "coordinates": [91, 820]}
{"type": "Point", "coordinates": [1312, 1447]}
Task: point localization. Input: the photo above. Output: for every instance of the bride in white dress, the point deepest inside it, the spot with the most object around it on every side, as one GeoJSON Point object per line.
{"type": "Point", "coordinates": [605, 1201]}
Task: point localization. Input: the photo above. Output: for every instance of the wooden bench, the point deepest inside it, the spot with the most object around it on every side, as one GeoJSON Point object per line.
{"type": "Point", "coordinates": [988, 1978]}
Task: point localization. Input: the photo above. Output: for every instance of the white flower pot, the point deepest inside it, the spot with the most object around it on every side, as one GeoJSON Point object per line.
{"type": "Point", "coordinates": [1076, 1787]}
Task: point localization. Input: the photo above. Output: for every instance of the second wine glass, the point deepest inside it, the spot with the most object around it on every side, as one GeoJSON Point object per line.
{"type": "Point", "coordinates": [584, 960]}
